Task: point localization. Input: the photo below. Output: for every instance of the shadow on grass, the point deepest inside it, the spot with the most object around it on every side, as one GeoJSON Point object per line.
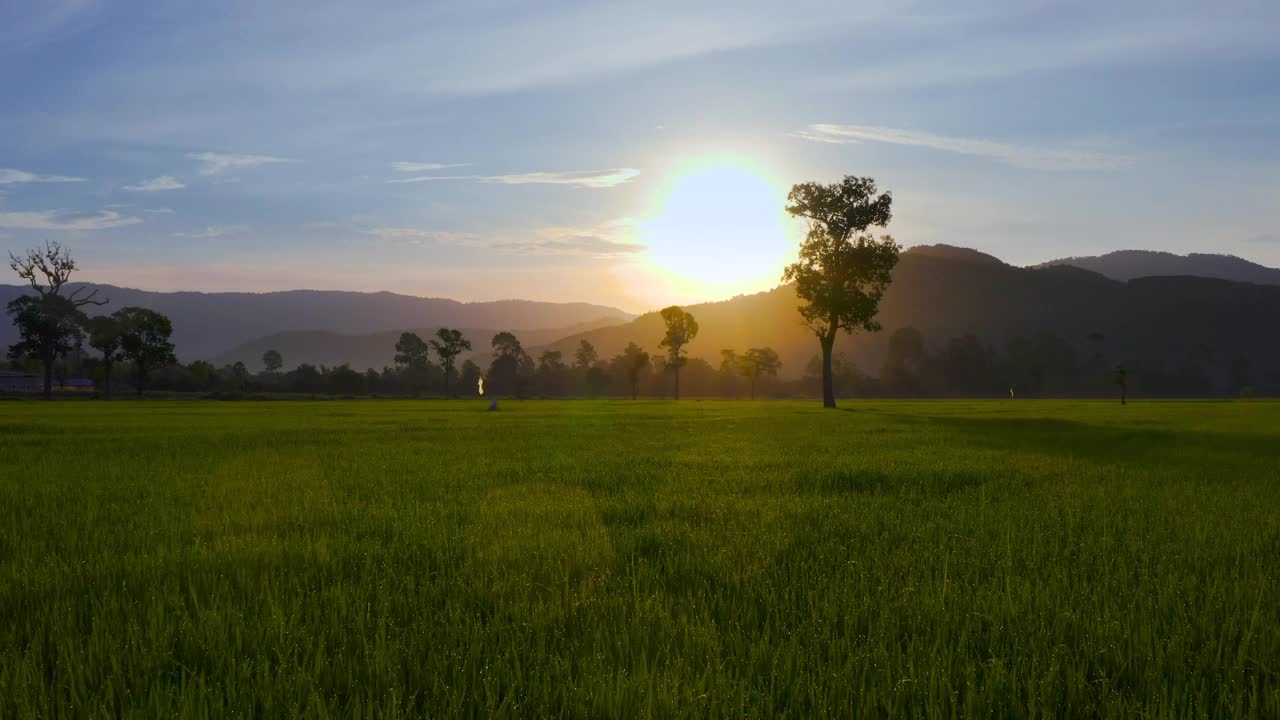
{"type": "Point", "coordinates": [1138, 444]}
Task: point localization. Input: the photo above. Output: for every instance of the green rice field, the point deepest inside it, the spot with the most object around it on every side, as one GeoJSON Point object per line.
{"type": "Point", "coordinates": [598, 559]}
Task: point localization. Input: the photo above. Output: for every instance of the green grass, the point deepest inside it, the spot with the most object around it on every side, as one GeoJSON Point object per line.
{"type": "Point", "coordinates": [650, 559]}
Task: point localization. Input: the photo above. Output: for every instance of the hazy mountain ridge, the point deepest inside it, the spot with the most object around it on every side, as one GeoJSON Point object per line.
{"type": "Point", "coordinates": [1164, 320]}
{"type": "Point", "coordinates": [207, 325]}
{"type": "Point", "coordinates": [1131, 264]}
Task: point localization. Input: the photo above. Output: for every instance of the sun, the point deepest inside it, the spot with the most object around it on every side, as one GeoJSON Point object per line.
{"type": "Point", "coordinates": [718, 228]}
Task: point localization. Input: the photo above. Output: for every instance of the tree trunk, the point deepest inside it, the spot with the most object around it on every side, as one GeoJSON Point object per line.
{"type": "Point", "coordinates": [828, 382]}
{"type": "Point", "coordinates": [48, 375]}
{"type": "Point", "coordinates": [635, 389]}
{"type": "Point", "coordinates": [141, 374]}
{"type": "Point", "coordinates": [753, 388]}
{"type": "Point", "coordinates": [1123, 392]}
{"type": "Point", "coordinates": [676, 370]}
{"type": "Point", "coordinates": [106, 385]}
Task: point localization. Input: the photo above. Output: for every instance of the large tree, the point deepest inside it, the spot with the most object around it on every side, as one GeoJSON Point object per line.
{"type": "Point", "coordinates": [49, 325]}
{"type": "Point", "coordinates": [48, 328]}
{"type": "Point", "coordinates": [145, 341]}
{"type": "Point", "coordinates": [511, 367]}
{"type": "Point", "coordinates": [449, 344]}
{"type": "Point", "coordinates": [413, 359]}
{"type": "Point", "coordinates": [756, 362]}
{"type": "Point", "coordinates": [842, 270]}
{"type": "Point", "coordinates": [272, 361]}
{"type": "Point", "coordinates": [681, 329]}
{"type": "Point", "coordinates": [106, 335]}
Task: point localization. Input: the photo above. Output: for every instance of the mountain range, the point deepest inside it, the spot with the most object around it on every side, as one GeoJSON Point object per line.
{"type": "Point", "coordinates": [1130, 264]}
{"type": "Point", "coordinates": [1173, 315]}
{"type": "Point", "coordinates": [209, 325]}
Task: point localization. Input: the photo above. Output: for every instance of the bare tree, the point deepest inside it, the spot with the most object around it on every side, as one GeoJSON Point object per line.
{"type": "Point", "coordinates": [48, 271]}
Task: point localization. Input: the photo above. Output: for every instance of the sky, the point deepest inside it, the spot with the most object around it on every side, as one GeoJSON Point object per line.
{"type": "Point", "coordinates": [630, 154]}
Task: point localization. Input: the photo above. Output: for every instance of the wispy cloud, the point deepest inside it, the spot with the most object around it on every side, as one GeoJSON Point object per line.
{"type": "Point", "coordinates": [1024, 156]}
{"type": "Point", "coordinates": [585, 245]}
{"type": "Point", "coordinates": [65, 220]}
{"type": "Point", "coordinates": [1264, 238]}
{"type": "Point", "coordinates": [158, 211]}
{"type": "Point", "coordinates": [214, 163]}
{"type": "Point", "coordinates": [213, 231]}
{"type": "Point", "coordinates": [9, 176]}
{"type": "Point", "coordinates": [604, 240]}
{"type": "Point", "coordinates": [422, 236]}
{"type": "Point", "coordinates": [423, 167]}
{"type": "Point", "coordinates": [164, 182]}
{"type": "Point", "coordinates": [609, 239]}
{"type": "Point", "coordinates": [579, 178]}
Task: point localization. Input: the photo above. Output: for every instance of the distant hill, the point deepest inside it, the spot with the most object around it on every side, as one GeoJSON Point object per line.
{"type": "Point", "coordinates": [207, 325]}
{"type": "Point", "coordinates": [377, 350]}
{"type": "Point", "coordinates": [947, 292]}
{"type": "Point", "coordinates": [1130, 264]}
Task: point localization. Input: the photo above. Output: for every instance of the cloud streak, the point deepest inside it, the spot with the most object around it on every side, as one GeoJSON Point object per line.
{"type": "Point", "coordinates": [422, 236]}
{"type": "Point", "coordinates": [579, 178]}
{"type": "Point", "coordinates": [215, 163]}
{"type": "Point", "coordinates": [9, 176]}
{"type": "Point", "coordinates": [164, 182]}
{"type": "Point", "coordinates": [423, 167]}
{"type": "Point", "coordinates": [65, 220]}
{"type": "Point", "coordinates": [1023, 156]}
{"type": "Point", "coordinates": [605, 240]}
{"type": "Point", "coordinates": [212, 232]}
{"type": "Point", "coordinates": [572, 244]}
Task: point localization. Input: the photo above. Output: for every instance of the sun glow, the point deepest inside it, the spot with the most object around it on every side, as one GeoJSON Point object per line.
{"type": "Point", "coordinates": [718, 228]}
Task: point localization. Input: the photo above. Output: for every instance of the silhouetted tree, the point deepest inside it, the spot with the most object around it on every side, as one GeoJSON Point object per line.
{"type": "Point", "coordinates": [585, 357]}
{"type": "Point", "coordinates": [842, 271]}
{"type": "Point", "coordinates": [106, 335]}
{"type": "Point", "coordinates": [632, 361]}
{"type": "Point", "coordinates": [756, 362]}
{"type": "Point", "coordinates": [511, 367]}
{"type": "Point", "coordinates": [448, 345]}
{"type": "Point", "coordinates": [48, 323]}
{"type": "Point", "coordinates": [305, 378]}
{"type": "Point", "coordinates": [48, 328]}
{"type": "Point", "coordinates": [551, 372]}
{"type": "Point", "coordinates": [729, 371]}
{"type": "Point", "coordinates": [145, 341]}
{"type": "Point", "coordinates": [964, 365]}
{"type": "Point", "coordinates": [1121, 378]}
{"type": "Point", "coordinates": [272, 360]}
{"type": "Point", "coordinates": [681, 329]}
{"type": "Point", "coordinates": [468, 377]}
{"type": "Point", "coordinates": [413, 359]}
{"type": "Point", "coordinates": [904, 362]}
{"type": "Point", "coordinates": [345, 381]}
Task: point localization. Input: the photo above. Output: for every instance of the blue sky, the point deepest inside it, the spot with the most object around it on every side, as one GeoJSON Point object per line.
{"type": "Point", "coordinates": [494, 149]}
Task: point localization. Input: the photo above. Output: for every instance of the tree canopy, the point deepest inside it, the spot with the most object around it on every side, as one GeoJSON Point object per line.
{"type": "Point", "coordinates": [449, 344]}
{"type": "Point", "coordinates": [145, 341]}
{"type": "Point", "coordinates": [681, 329]}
